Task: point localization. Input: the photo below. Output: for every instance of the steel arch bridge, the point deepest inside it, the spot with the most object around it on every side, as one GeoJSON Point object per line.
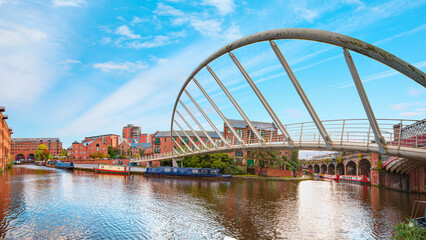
{"type": "Point", "coordinates": [394, 137]}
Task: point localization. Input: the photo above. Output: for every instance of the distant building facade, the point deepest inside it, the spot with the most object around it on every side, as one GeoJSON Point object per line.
{"type": "Point", "coordinates": [268, 131]}
{"type": "Point", "coordinates": [24, 148]}
{"type": "Point", "coordinates": [5, 138]}
{"type": "Point", "coordinates": [131, 149]}
{"type": "Point", "coordinates": [161, 140]}
{"type": "Point", "coordinates": [84, 149]}
{"type": "Point", "coordinates": [107, 139]}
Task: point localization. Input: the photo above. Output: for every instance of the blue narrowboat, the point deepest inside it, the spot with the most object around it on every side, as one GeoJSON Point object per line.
{"type": "Point", "coordinates": [64, 165]}
{"type": "Point", "coordinates": [186, 172]}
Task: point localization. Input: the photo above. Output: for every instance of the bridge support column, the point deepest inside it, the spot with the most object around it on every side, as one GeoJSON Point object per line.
{"type": "Point", "coordinates": [174, 163]}
{"type": "Point", "coordinates": [374, 173]}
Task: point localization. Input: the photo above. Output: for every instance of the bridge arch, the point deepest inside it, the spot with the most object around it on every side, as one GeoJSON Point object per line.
{"type": "Point", "coordinates": [364, 167]}
{"type": "Point", "coordinates": [340, 169]}
{"type": "Point", "coordinates": [351, 168]}
{"type": "Point", "coordinates": [377, 143]}
{"type": "Point", "coordinates": [316, 168]}
{"type": "Point", "coordinates": [19, 157]}
{"type": "Point", "coordinates": [331, 169]}
{"type": "Point", "coordinates": [310, 168]}
{"type": "Point", "coordinates": [323, 168]}
{"type": "Point", "coordinates": [30, 157]}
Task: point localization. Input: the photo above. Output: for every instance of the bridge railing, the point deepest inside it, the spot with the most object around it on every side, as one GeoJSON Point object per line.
{"type": "Point", "coordinates": [393, 131]}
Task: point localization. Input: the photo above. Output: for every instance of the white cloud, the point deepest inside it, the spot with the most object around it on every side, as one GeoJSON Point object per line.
{"type": "Point", "coordinates": [158, 60]}
{"type": "Point", "coordinates": [148, 99]}
{"type": "Point", "coordinates": [408, 114]}
{"type": "Point", "coordinates": [125, 31]}
{"type": "Point", "coordinates": [163, 9]}
{"type": "Point", "coordinates": [415, 91]}
{"type": "Point", "coordinates": [421, 110]}
{"type": "Point", "coordinates": [158, 41]}
{"type": "Point", "coordinates": [67, 3]}
{"type": "Point", "coordinates": [305, 13]}
{"type": "Point", "coordinates": [402, 106]}
{"type": "Point", "coordinates": [233, 33]}
{"type": "Point", "coordinates": [208, 28]}
{"type": "Point", "coordinates": [24, 68]}
{"type": "Point", "coordinates": [120, 67]}
{"type": "Point", "coordinates": [69, 61]}
{"type": "Point", "coordinates": [223, 6]}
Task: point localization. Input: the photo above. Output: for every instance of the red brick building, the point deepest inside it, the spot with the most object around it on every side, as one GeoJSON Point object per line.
{"type": "Point", "coordinates": [84, 149]}
{"type": "Point", "coordinates": [161, 140]}
{"type": "Point", "coordinates": [145, 138]}
{"type": "Point", "coordinates": [267, 130]}
{"type": "Point", "coordinates": [131, 149]}
{"type": "Point", "coordinates": [5, 136]}
{"type": "Point", "coordinates": [131, 131]}
{"type": "Point", "coordinates": [24, 148]}
{"type": "Point", "coordinates": [107, 139]}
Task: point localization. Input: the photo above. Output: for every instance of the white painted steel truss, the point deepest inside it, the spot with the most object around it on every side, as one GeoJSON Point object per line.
{"type": "Point", "coordinates": [365, 135]}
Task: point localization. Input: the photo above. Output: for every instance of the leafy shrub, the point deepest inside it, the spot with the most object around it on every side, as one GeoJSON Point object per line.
{"type": "Point", "coordinates": [234, 170]}
{"type": "Point", "coordinates": [410, 230]}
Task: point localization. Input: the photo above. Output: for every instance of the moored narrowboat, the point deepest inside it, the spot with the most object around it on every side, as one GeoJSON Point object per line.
{"type": "Point", "coordinates": [114, 169]}
{"type": "Point", "coordinates": [363, 180]}
{"type": "Point", "coordinates": [185, 172]}
{"type": "Point", "coordinates": [40, 163]}
{"type": "Point", "coordinates": [50, 164]}
{"type": "Point", "coordinates": [64, 165]}
{"type": "Point", "coordinates": [331, 177]}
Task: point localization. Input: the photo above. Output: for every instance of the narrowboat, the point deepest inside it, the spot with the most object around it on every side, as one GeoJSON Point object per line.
{"type": "Point", "coordinates": [332, 177]}
{"type": "Point", "coordinates": [40, 163]}
{"type": "Point", "coordinates": [363, 180]}
{"type": "Point", "coordinates": [64, 165]}
{"type": "Point", "coordinates": [50, 164]}
{"type": "Point", "coordinates": [185, 172]}
{"type": "Point", "coordinates": [115, 169]}
{"type": "Point", "coordinates": [17, 162]}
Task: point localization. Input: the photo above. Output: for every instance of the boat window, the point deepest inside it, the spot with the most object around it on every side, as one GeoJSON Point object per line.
{"type": "Point", "coordinates": [204, 171]}
{"type": "Point", "coordinates": [175, 170]}
{"type": "Point", "coordinates": [167, 169]}
{"type": "Point", "coordinates": [213, 171]}
{"type": "Point", "coordinates": [194, 170]}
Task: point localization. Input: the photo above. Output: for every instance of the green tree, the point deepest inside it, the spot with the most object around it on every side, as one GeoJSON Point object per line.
{"type": "Point", "coordinates": [112, 151]}
{"type": "Point", "coordinates": [42, 153]}
{"type": "Point", "coordinates": [221, 161]}
{"type": "Point", "coordinates": [293, 163]}
{"type": "Point", "coordinates": [267, 159]}
{"type": "Point", "coordinates": [64, 152]}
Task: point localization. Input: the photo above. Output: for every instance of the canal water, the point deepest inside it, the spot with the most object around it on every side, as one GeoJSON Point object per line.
{"type": "Point", "coordinates": [43, 203]}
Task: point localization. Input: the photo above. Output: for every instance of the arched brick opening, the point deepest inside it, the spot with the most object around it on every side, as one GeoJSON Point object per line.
{"type": "Point", "coordinates": [364, 167]}
{"type": "Point", "coordinates": [351, 168]}
{"type": "Point", "coordinates": [331, 169]}
{"type": "Point", "coordinates": [340, 169]}
{"type": "Point", "coordinates": [310, 168]}
{"type": "Point", "coordinates": [30, 157]}
{"type": "Point", "coordinates": [316, 168]}
{"type": "Point", "coordinates": [20, 157]}
{"type": "Point", "coordinates": [323, 168]}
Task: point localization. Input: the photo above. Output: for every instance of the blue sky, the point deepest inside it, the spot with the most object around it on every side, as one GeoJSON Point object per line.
{"type": "Point", "coordinates": [74, 68]}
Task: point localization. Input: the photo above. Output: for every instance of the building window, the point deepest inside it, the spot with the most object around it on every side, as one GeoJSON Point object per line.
{"type": "Point", "coordinates": [165, 139]}
{"type": "Point", "coordinates": [240, 132]}
{"type": "Point", "coordinates": [165, 148]}
{"type": "Point", "coordinates": [157, 141]}
{"type": "Point", "coordinates": [195, 139]}
{"type": "Point", "coordinates": [157, 150]}
{"type": "Point", "coordinates": [263, 133]}
{"type": "Point", "coordinates": [239, 154]}
{"type": "Point", "coordinates": [185, 139]}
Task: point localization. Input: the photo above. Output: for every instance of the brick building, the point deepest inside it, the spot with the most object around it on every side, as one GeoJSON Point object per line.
{"type": "Point", "coordinates": [161, 140]}
{"type": "Point", "coordinates": [84, 149]}
{"type": "Point", "coordinates": [107, 139]}
{"type": "Point", "coordinates": [131, 131]}
{"type": "Point", "coordinates": [267, 130]}
{"type": "Point", "coordinates": [5, 136]}
{"type": "Point", "coordinates": [131, 149]}
{"type": "Point", "coordinates": [24, 148]}
{"type": "Point", "coordinates": [145, 138]}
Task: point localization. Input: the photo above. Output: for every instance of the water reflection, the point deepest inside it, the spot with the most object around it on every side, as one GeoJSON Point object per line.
{"type": "Point", "coordinates": [39, 202]}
